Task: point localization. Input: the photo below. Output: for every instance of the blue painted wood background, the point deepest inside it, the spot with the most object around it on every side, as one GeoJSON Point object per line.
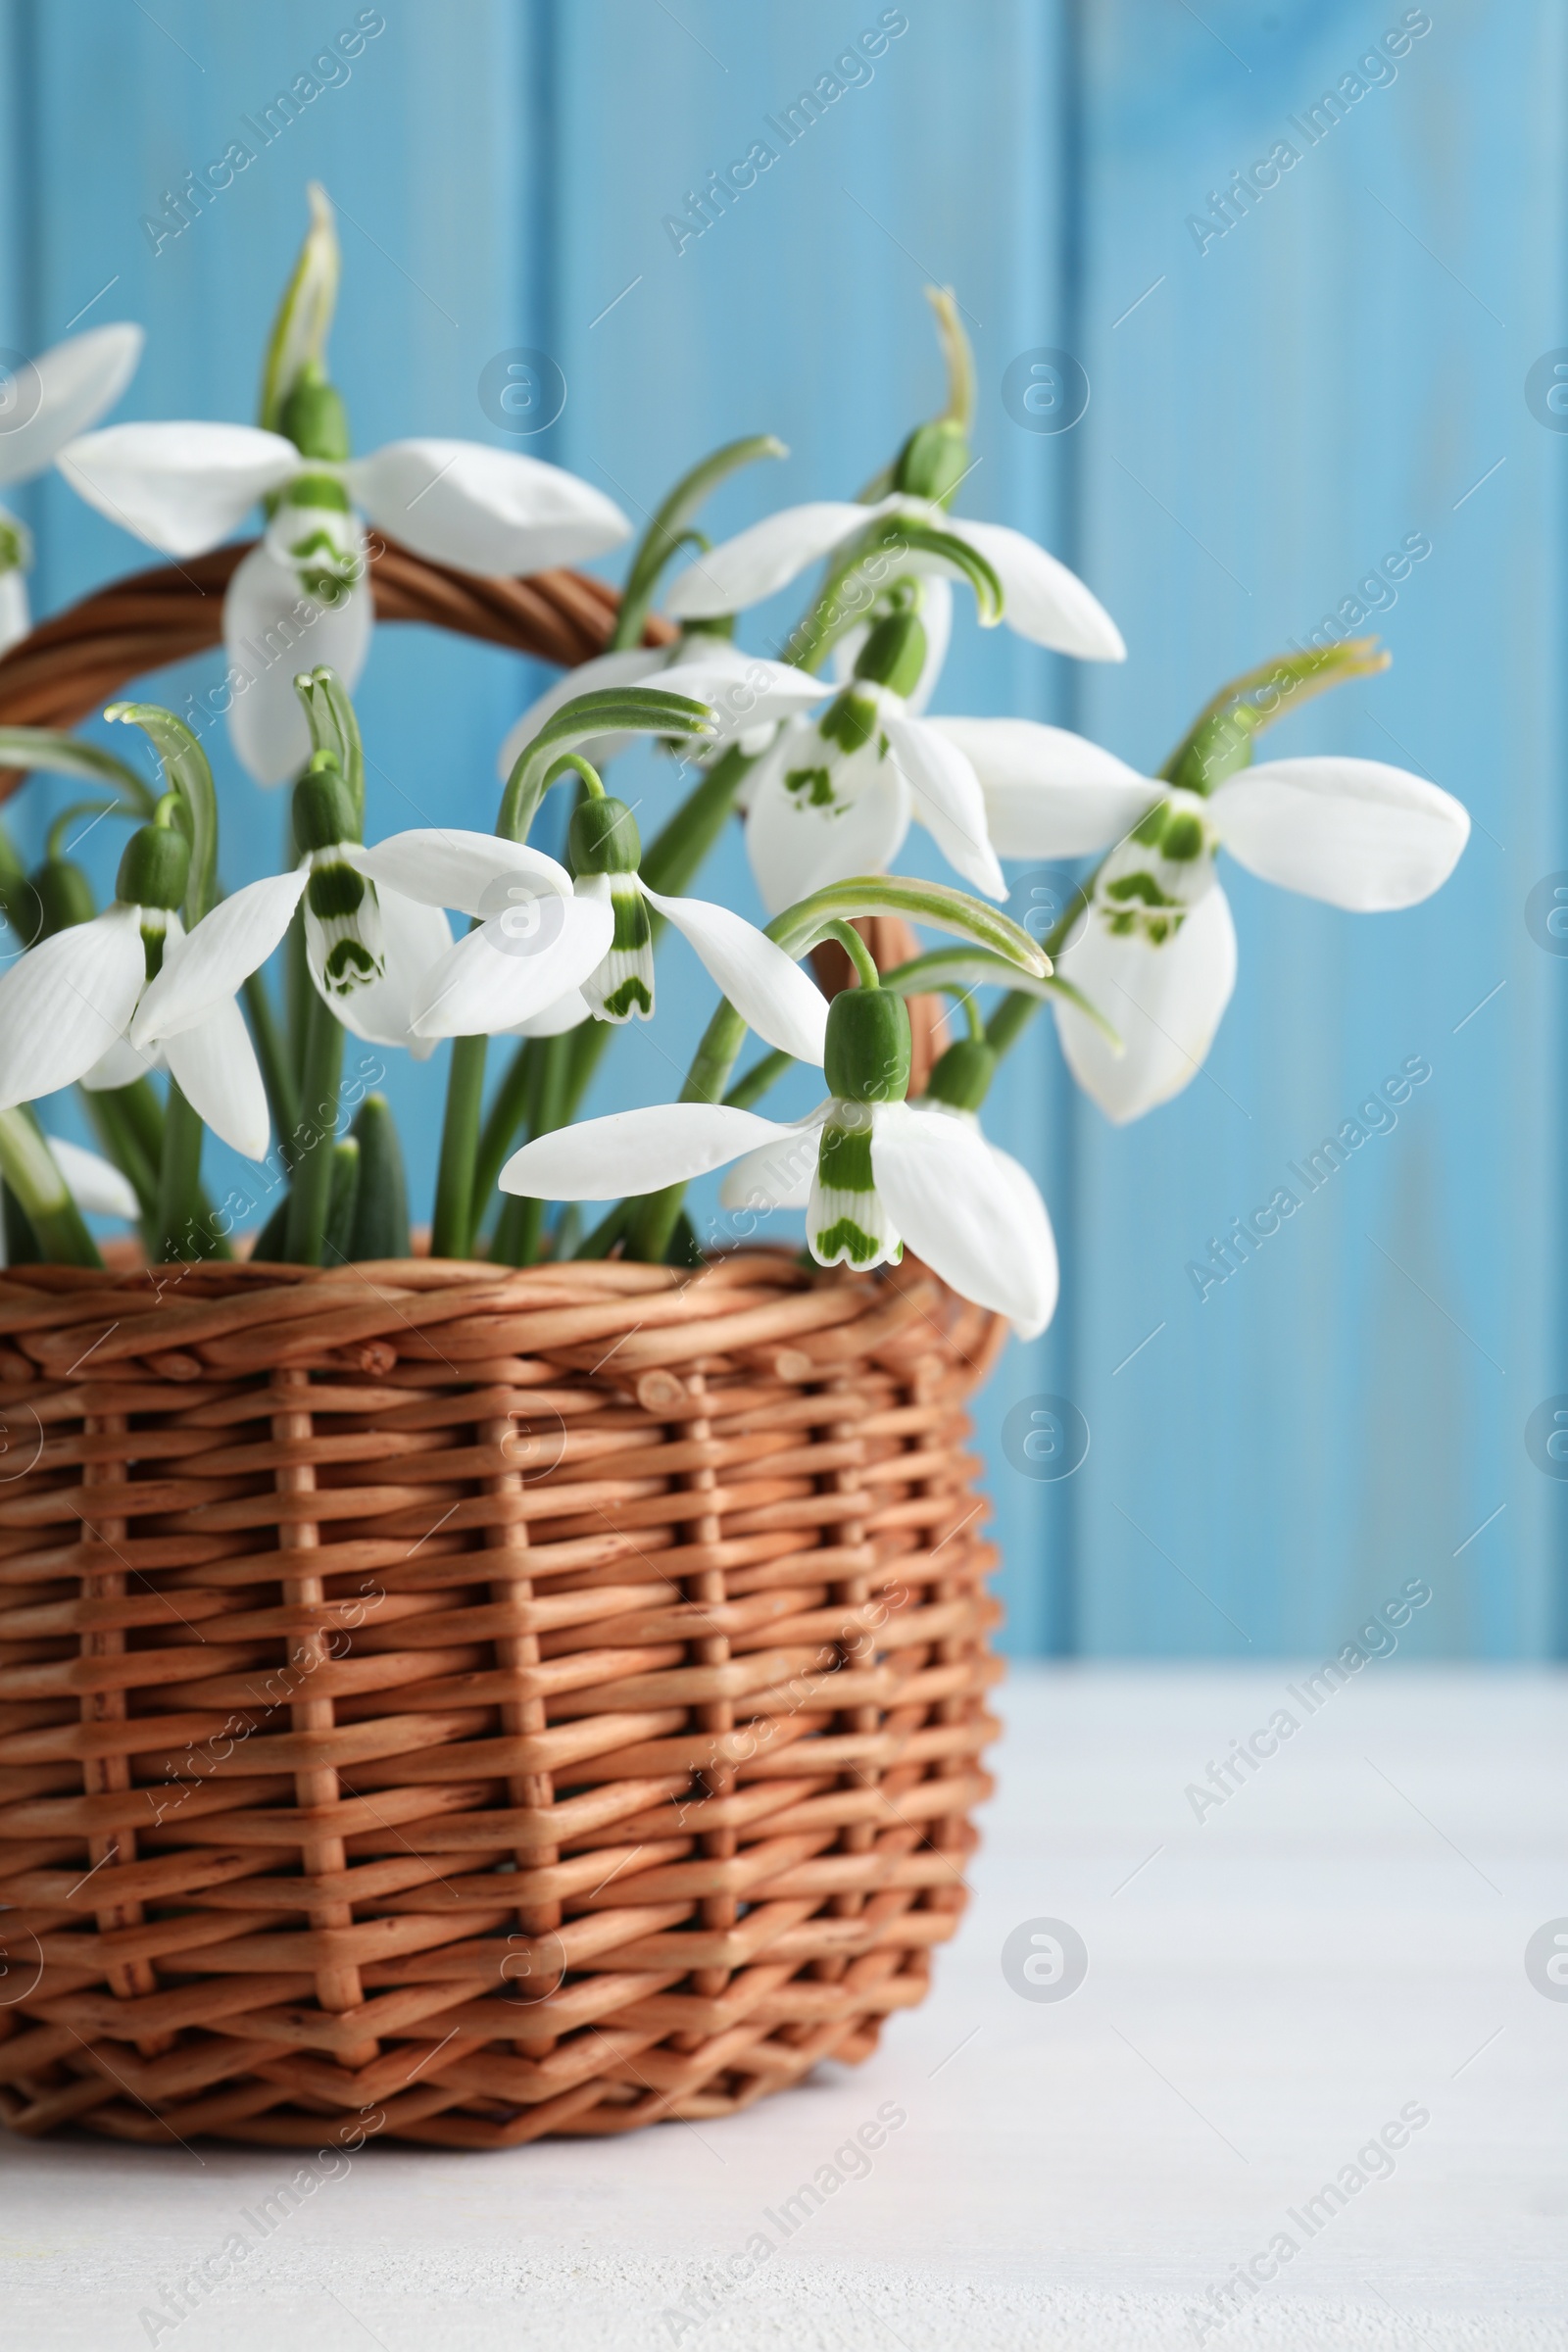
{"type": "Point", "coordinates": [1272, 414]}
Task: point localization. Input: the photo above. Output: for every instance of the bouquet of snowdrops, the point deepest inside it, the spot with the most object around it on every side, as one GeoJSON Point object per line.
{"type": "Point", "coordinates": [828, 772]}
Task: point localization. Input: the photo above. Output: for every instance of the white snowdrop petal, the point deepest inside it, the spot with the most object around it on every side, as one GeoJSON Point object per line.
{"type": "Point", "coordinates": [1166, 1002]}
{"type": "Point", "coordinates": [484, 510]}
{"type": "Point", "coordinates": [468, 871]}
{"type": "Point", "coordinates": [633, 1152]}
{"type": "Point", "coordinates": [64, 1003]}
{"type": "Point", "coordinates": [945, 794]}
{"type": "Point", "coordinates": [414, 941]}
{"type": "Point", "coordinates": [1044, 600]}
{"type": "Point", "coordinates": [16, 610]}
{"type": "Point", "coordinates": [796, 847]}
{"type": "Point", "coordinates": [950, 1200]}
{"type": "Point", "coordinates": [779, 1174]}
{"type": "Point", "coordinates": [1354, 832]}
{"type": "Point", "coordinates": [271, 630]}
{"type": "Point", "coordinates": [63, 391]}
{"type": "Point", "coordinates": [768, 988]}
{"type": "Point", "coordinates": [219, 956]}
{"type": "Point", "coordinates": [1036, 1268]}
{"type": "Point", "coordinates": [768, 556]}
{"type": "Point", "coordinates": [179, 487]}
{"type": "Point", "coordinates": [1049, 793]}
{"type": "Point", "coordinates": [96, 1184]}
{"type": "Point", "coordinates": [506, 972]}
{"type": "Point", "coordinates": [214, 1065]}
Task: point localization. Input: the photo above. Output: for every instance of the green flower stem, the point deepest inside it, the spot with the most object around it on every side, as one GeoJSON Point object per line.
{"type": "Point", "coordinates": [311, 1191]}
{"type": "Point", "coordinates": [452, 1230]}
{"type": "Point", "coordinates": [856, 949]}
{"type": "Point", "coordinates": [178, 1182]}
{"type": "Point", "coordinates": [271, 1053]}
{"type": "Point", "coordinates": [117, 1130]}
{"type": "Point", "coordinates": [502, 1122]}
{"type": "Point", "coordinates": [34, 747]}
{"type": "Point", "coordinates": [759, 1079]}
{"type": "Point", "coordinates": [29, 1167]}
{"type": "Point", "coordinates": [888, 536]}
{"type": "Point", "coordinates": [520, 1227]}
{"type": "Point", "coordinates": [604, 710]}
{"type": "Point", "coordinates": [669, 865]}
{"type": "Point", "coordinates": [656, 1216]}
{"type": "Point", "coordinates": [187, 774]}
{"type": "Point", "coordinates": [667, 533]}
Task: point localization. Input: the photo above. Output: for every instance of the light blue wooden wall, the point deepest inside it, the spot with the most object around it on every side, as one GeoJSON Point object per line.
{"type": "Point", "coordinates": [1282, 408]}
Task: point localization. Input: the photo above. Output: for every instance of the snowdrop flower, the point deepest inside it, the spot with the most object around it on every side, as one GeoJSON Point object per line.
{"type": "Point", "coordinates": [547, 951]}
{"type": "Point", "coordinates": [43, 405]}
{"type": "Point", "coordinates": [1039, 599]}
{"type": "Point", "coordinates": [876, 1173]}
{"type": "Point", "coordinates": [748, 695]}
{"type": "Point", "coordinates": [834, 794]}
{"type": "Point", "coordinates": [183, 488]}
{"type": "Point", "coordinates": [369, 947]}
{"type": "Point", "coordinates": [1157, 952]}
{"type": "Point", "coordinates": [81, 1003]}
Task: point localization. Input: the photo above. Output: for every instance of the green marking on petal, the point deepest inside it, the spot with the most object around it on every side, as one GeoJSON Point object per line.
{"type": "Point", "coordinates": [843, 1239]}
{"type": "Point", "coordinates": [631, 1000]}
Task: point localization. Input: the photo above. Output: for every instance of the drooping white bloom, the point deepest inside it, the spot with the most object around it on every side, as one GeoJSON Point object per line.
{"type": "Point", "coordinates": [1042, 600]}
{"type": "Point", "coordinates": [874, 1176]}
{"type": "Point", "coordinates": [45, 405]}
{"type": "Point", "coordinates": [371, 950]}
{"type": "Point", "coordinates": [183, 488]}
{"type": "Point", "coordinates": [68, 1007]}
{"type": "Point", "coordinates": [547, 950]}
{"type": "Point", "coordinates": [834, 796]}
{"type": "Point", "coordinates": [1157, 952]}
{"type": "Point", "coordinates": [747, 694]}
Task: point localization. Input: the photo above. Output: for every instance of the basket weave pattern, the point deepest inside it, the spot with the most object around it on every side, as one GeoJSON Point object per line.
{"type": "Point", "coordinates": [456, 1707]}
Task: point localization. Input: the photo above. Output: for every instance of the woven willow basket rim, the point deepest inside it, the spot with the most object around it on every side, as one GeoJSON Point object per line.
{"type": "Point", "coordinates": [457, 1704]}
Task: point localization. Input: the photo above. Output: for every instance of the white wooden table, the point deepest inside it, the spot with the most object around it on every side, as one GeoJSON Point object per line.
{"type": "Point", "coordinates": [1337, 1944]}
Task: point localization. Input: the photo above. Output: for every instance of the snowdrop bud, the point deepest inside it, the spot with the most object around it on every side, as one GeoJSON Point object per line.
{"type": "Point", "coordinates": [961, 1077]}
{"type": "Point", "coordinates": [894, 653]}
{"type": "Point", "coordinates": [604, 838]}
{"type": "Point", "coordinates": [155, 868]}
{"type": "Point", "coordinates": [868, 1047]}
{"type": "Point", "coordinates": [934, 459]}
{"type": "Point", "coordinates": [315, 419]}
{"type": "Point", "coordinates": [323, 807]}
{"type": "Point", "coordinates": [64, 898]}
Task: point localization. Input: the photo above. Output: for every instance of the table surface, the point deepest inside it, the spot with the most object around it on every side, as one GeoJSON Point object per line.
{"type": "Point", "coordinates": [1272, 1980]}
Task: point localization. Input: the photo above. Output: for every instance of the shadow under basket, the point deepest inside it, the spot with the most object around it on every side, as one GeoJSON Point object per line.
{"type": "Point", "coordinates": [453, 1705]}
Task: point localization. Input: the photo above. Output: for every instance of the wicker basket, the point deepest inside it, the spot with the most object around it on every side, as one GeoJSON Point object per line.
{"type": "Point", "coordinates": [456, 1706]}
